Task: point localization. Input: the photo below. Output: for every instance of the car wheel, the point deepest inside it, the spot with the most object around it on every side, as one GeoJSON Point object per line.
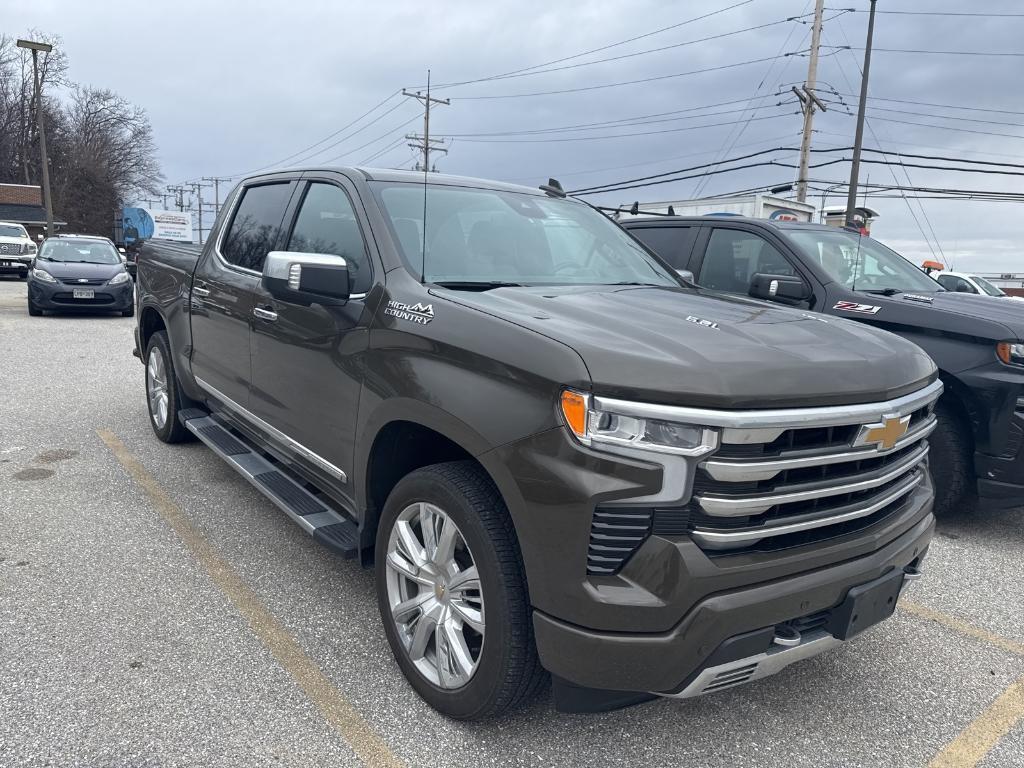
{"type": "Point", "coordinates": [452, 593]}
{"type": "Point", "coordinates": [23, 275]}
{"type": "Point", "coordinates": [130, 312]}
{"type": "Point", "coordinates": [952, 461]}
{"type": "Point", "coordinates": [33, 310]}
{"type": "Point", "coordinates": [163, 393]}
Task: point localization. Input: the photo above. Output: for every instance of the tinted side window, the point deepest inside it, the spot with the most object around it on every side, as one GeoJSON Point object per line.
{"type": "Point", "coordinates": [954, 283]}
{"type": "Point", "coordinates": [256, 227]}
{"type": "Point", "coordinates": [734, 256]}
{"type": "Point", "coordinates": [673, 244]}
{"type": "Point", "coordinates": [327, 224]}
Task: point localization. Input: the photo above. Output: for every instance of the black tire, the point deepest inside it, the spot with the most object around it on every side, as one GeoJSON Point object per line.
{"type": "Point", "coordinates": [23, 275]}
{"type": "Point", "coordinates": [130, 312]}
{"type": "Point", "coordinates": [951, 460]}
{"type": "Point", "coordinates": [172, 430]}
{"type": "Point", "coordinates": [508, 672]}
{"type": "Point", "coordinates": [34, 311]}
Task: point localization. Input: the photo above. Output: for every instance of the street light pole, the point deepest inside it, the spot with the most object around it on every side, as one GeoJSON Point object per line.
{"type": "Point", "coordinates": [45, 48]}
{"type": "Point", "coordinates": [851, 199]}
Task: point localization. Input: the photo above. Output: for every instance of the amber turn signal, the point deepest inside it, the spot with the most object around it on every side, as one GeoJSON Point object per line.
{"type": "Point", "coordinates": [574, 409]}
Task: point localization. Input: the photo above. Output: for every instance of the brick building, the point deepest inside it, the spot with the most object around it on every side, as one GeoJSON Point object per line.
{"type": "Point", "coordinates": [23, 204]}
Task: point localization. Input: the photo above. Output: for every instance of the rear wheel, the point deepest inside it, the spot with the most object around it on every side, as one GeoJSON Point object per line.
{"type": "Point", "coordinates": [452, 593]}
{"type": "Point", "coordinates": [952, 460]}
{"type": "Point", "coordinates": [163, 393]}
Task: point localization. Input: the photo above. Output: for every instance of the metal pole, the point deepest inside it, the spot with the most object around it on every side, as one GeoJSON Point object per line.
{"type": "Point", "coordinates": [808, 103]}
{"type": "Point", "coordinates": [851, 199]}
{"type": "Point", "coordinates": [42, 146]}
{"type": "Point", "coordinates": [426, 129]}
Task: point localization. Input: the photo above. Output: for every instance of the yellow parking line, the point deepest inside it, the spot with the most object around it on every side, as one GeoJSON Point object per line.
{"type": "Point", "coordinates": [962, 627]}
{"type": "Point", "coordinates": [335, 708]}
{"type": "Point", "coordinates": [985, 731]}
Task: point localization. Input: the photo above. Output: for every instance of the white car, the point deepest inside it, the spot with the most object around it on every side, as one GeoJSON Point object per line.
{"type": "Point", "coordinates": [16, 249]}
{"type": "Point", "coordinates": [962, 282]}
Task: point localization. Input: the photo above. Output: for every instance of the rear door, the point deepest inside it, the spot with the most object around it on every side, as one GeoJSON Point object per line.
{"type": "Point", "coordinates": [223, 292]}
{"type": "Point", "coordinates": [307, 358]}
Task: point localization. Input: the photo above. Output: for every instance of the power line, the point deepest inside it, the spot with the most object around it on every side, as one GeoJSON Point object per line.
{"type": "Point", "coordinates": [997, 15]}
{"type": "Point", "coordinates": [1013, 54]}
{"type": "Point", "coordinates": [619, 135]}
{"type": "Point", "coordinates": [933, 104]}
{"type": "Point", "coordinates": [372, 141]}
{"type": "Point", "coordinates": [620, 83]}
{"type": "Point", "coordinates": [599, 49]}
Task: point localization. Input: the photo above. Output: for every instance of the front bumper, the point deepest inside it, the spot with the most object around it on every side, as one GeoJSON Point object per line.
{"type": "Point", "coordinates": [995, 403]}
{"type": "Point", "coordinates": [739, 623]}
{"type": "Point", "coordinates": [1001, 478]}
{"type": "Point", "coordinates": [60, 297]}
{"type": "Point", "coordinates": [14, 265]}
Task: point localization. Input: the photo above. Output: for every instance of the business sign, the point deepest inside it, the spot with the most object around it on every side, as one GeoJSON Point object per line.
{"type": "Point", "coordinates": [148, 224]}
{"type": "Point", "coordinates": [784, 214]}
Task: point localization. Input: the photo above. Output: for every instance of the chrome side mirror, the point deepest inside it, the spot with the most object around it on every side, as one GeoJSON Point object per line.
{"type": "Point", "coordinates": [305, 276]}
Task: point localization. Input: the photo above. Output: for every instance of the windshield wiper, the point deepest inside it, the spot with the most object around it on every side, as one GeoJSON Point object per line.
{"type": "Point", "coordinates": [476, 285]}
{"type": "Point", "coordinates": [882, 291]}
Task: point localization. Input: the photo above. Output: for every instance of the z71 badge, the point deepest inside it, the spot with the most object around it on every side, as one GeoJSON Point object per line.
{"type": "Point", "coordinates": [853, 306]}
{"type": "Point", "coordinates": [414, 313]}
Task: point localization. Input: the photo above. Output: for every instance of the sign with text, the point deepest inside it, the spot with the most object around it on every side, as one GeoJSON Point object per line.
{"type": "Point", "coordinates": [149, 224]}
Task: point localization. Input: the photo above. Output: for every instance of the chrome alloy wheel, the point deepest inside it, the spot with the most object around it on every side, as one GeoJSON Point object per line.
{"type": "Point", "coordinates": [156, 386]}
{"type": "Point", "coordinates": [434, 594]}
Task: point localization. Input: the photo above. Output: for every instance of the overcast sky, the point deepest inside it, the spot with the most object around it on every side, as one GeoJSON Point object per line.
{"type": "Point", "coordinates": [231, 86]}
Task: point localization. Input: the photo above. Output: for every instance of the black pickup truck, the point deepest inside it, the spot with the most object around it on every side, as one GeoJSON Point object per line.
{"type": "Point", "coordinates": [976, 341]}
{"type": "Point", "coordinates": [558, 456]}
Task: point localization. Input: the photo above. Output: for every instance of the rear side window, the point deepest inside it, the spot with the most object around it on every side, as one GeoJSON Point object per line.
{"type": "Point", "coordinates": [673, 244]}
{"type": "Point", "coordinates": [256, 227]}
{"type": "Point", "coordinates": [327, 224]}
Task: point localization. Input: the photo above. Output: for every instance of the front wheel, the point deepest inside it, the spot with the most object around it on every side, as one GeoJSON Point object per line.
{"type": "Point", "coordinates": [163, 394]}
{"type": "Point", "coordinates": [951, 460]}
{"type": "Point", "coordinates": [452, 593]}
{"type": "Point", "coordinates": [33, 310]}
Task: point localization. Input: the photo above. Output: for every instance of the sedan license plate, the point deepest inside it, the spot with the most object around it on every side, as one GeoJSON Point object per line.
{"type": "Point", "coordinates": [83, 293]}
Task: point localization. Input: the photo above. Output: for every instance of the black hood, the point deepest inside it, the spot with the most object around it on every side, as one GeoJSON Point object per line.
{"type": "Point", "coordinates": [68, 270]}
{"type": "Point", "coordinates": [967, 314]}
{"type": "Point", "coordinates": [686, 347]}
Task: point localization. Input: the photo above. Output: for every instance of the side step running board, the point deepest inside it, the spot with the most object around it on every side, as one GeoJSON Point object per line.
{"type": "Point", "coordinates": [312, 515]}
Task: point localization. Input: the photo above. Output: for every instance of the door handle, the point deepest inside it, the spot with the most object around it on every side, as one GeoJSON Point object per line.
{"type": "Point", "coordinates": [200, 292]}
{"type": "Point", "coordinates": [265, 314]}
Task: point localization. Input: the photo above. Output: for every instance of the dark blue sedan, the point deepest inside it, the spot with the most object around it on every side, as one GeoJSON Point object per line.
{"type": "Point", "coordinates": [79, 272]}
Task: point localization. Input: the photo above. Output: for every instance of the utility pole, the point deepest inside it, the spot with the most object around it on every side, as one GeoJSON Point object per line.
{"type": "Point", "coordinates": [197, 190]}
{"type": "Point", "coordinates": [178, 191]}
{"type": "Point", "coordinates": [216, 191]}
{"type": "Point", "coordinates": [858, 142]}
{"type": "Point", "coordinates": [808, 100]}
{"type": "Point", "coordinates": [424, 143]}
{"type": "Point", "coordinates": [45, 48]}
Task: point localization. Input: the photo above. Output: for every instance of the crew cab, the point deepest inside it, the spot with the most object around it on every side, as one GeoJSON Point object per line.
{"type": "Point", "coordinates": [16, 249]}
{"type": "Point", "coordinates": [976, 341]}
{"type": "Point", "coordinates": [557, 455]}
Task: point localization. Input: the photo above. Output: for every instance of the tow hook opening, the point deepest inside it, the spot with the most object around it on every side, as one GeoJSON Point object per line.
{"type": "Point", "coordinates": [911, 573]}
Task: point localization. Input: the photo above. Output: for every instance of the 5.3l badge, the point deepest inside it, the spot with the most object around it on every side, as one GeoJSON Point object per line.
{"type": "Point", "coordinates": [415, 313]}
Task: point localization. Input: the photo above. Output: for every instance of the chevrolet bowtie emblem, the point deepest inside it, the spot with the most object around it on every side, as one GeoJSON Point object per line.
{"type": "Point", "coordinates": [885, 434]}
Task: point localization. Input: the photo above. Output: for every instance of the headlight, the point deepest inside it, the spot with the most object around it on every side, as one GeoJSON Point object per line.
{"type": "Point", "coordinates": [1010, 352]}
{"type": "Point", "coordinates": [30, 248]}
{"type": "Point", "coordinates": [597, 426]}
{"type": "Point", "coordinates": [120, 277]}
{"type": "Point", "coordinates": [43, 275]}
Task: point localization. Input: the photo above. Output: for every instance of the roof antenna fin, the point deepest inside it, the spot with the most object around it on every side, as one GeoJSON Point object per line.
{"type": "Point", "coordinates": [553, 188]}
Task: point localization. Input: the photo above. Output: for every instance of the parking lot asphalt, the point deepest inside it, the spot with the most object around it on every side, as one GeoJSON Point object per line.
{"type": "Point", "coordinates": [156, 610]}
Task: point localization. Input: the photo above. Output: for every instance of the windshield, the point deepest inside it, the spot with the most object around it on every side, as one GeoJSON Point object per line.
{"type": "Point", "coordinates": [862, 264]}
{"type": "Point", "coordinates": [482, 237]}
{"type": "Point", "coordinates": [986, 286]}
{"type": "Point", "coordinates": [84, 251]}
{"type": "Point", "coordinates": [12, 230]}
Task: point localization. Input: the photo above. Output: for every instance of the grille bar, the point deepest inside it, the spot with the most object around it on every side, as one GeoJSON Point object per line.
{"type": "Point", "coordinates": [712, 539]}
{"type": "Point", "coordinates": [753, 471]}
{"type": "Point", "coordinates": [725, 506]}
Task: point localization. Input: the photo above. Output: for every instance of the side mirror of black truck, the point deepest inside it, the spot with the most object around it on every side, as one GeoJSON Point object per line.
{"type": "Point", "coordinates": [784, 289]}
{"type": "Point", "coordinates": [306, 277]}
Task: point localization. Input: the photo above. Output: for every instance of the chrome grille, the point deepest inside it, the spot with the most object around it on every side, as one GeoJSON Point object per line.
{"type": "Point", "coordinates": [12, 249]}
{"type": "Point", "coordinates": [772, 481]}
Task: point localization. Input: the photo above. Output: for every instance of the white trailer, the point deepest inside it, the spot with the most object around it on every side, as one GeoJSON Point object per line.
{"type": "Point", "coordinates": [756, 206]}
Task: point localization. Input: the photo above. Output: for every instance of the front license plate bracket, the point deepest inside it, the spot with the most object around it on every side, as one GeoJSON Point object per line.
{"type": "Point", "coordinates": [866, 605]}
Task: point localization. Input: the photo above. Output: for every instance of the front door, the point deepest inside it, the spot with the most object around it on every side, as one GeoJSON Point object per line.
{"type": "Point", "coordinates": [307, 359]}
{"type": "Point", "coordinates": [223, 292]}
